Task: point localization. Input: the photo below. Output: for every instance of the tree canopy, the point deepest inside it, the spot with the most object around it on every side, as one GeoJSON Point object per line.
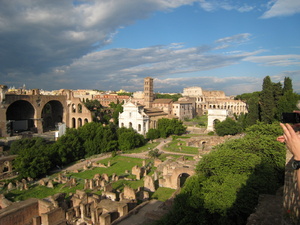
{"type": "Point", "coordinates": [229, 179]}
{"type": "Point", "coordinates": [36, 157]}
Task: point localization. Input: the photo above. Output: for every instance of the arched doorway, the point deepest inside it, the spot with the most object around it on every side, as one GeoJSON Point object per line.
{"type": "Point", "coordinates": [181, 179]}
{"type": "Point", "coordinates": [19, 116]}
{"type": "Point", "coordinates": [216, 121]}
{"type": "Point", "coordinates": [52, 114]}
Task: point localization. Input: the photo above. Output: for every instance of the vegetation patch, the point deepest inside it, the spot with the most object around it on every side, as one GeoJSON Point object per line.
{"type": "Point", "coordinates": [163, 194]}
{"type": "Point", "coordinates": [179, 147]}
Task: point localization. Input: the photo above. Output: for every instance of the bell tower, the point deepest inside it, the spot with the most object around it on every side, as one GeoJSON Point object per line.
{"type": "Point", "coordinates": [148, 92]}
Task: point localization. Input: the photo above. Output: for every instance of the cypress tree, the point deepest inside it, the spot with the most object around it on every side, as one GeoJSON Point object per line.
{"type": "Point", "coordinates": [253, 110]}
{"type": "Point", "coordinates": [287, 85]}
{"type": "Point", "coordinates": [267, 102]}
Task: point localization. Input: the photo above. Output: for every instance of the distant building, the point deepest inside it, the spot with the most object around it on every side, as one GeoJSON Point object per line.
{"type": "Point", "coordinates": [139, 118]}
{"type": "Point", "coordinates": [32, 111]}
{"type": "Point", "coordinates": [183, 110]}
{"type": "Point", "coordinates": [106, 99]}
{"type": "Point", "coordinates": [163, 104]}
{"type": "Point", "coordinates": [205, 100]}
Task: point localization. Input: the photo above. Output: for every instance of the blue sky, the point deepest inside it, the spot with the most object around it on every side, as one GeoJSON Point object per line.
{"type": "Point", "coordinates": [226, 45]}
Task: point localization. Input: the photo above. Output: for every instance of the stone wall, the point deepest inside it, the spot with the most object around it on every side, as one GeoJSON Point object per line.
{"type": "Point", "coordinates": [20, 213]}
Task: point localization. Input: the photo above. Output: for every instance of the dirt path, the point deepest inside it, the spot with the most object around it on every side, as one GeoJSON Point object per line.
{"type": "Point", "coordinates": [144, 155]}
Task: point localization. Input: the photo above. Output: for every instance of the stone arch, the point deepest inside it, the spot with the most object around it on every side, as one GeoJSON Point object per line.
{"type": "Point", "coordinates": [73, 122]}
{"type": "Point", "coordinates": [79, 108]}
{"type": "Point", "coordinates": [177, 179]}
{"type": "Point", "coordinates": [20, 116]}
{"type": "Point", "coordinates": [52, 114]}
{"type": "Point", "coordinates": [213, 115]}
{"type": "Point", "coordinates": [79, 122]}
{"type": "Point", "coordinates": [73, 108]}
{"type": "Point", "coordinates": [181, 179]}
{"type": "Point", "coordinates": [86, 121]}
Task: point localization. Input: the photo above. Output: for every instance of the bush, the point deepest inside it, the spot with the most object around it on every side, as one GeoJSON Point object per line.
{"type": "Point", "coordinates": [228, 127]}
{"type": "Point", "coordinates": [211, 133]}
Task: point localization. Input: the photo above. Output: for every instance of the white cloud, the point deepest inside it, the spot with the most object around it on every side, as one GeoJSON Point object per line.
{"type": "Point", "coordinates": [282, 8]}
{"type": "Point", "coordinates": [276, 60]}
{"type": "Point", "coordinates": [239, 38]}
{"type": "Point", "coordinates": [39, 35]}
{"type": "Point", "coordinates": [213, 5]}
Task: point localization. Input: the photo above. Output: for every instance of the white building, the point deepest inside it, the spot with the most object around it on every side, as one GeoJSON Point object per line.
{"type": "Point", "coordinates": [133, 116]}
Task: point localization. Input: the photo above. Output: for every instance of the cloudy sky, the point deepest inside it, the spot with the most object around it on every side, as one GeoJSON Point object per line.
{"type": "Point", "coordinates": [228, 45]}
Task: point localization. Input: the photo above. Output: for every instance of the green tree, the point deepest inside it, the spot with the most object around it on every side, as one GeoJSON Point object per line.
{"type": "Point", "coordinates": [174, 97]}
{"type": "Point", "coordinates": [154, 153]}
{"type": "Point", "coordinates": [167, 127]}
{"type": "Point", "coordinates": [153, 134]}
{"type": "Point", "coordinates": [267, 103]}
{"type": "Point", "coordinates": [70, 146]}
{"type": "Point", "coordinates": [287, 85]}
{"type": "Point", "coordinates": [33, 160]}
{"type": "Point", "coordinates": [117, 110]}
{"type": "Point", "coordinates": [129, 139]}
{"type": "Point", "coordinates": [24, 143]}
{"type": "Point", "coordinates": [287, 103]}
{"type": "Point", "coordinates": [95, 107]}
{"type": "Point", "coordinates": [230, 178]}
{"type": "Point", "coordinates": [228, 127]}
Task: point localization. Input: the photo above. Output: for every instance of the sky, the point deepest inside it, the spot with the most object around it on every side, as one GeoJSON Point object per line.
{"type": "Point", "coordinates": [227, 45]}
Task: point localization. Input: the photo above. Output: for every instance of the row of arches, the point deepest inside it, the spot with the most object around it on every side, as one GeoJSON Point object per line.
{"type": "Point", "coordinates": [79, 122]}
{"type": "Point", "coordinates": [22, 116]}
{"type": "Point", "coordinates": [235, 108]}
{"type": "Point", "coordinates": [77, 108]}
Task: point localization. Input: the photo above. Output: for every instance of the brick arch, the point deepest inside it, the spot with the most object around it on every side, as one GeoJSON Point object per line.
{"type": "Point", "coordinates": [20, 116]}
{"type": "Point", "coordinates": [52, 114]}
{"type": "Point", "coordinates": [178, 172]}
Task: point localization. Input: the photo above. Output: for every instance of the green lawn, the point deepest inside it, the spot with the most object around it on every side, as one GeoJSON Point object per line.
{"type": "Point", "coordinates": [164, 156]}
{"type": "Point", "coordinates": [163, 194]}
{"type": "Point", "coordinates": [174, 147]}
{"type": "Point", "coordinates": [144, 148]}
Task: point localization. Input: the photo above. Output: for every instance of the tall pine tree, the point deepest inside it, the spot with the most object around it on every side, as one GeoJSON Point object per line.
{"type": "Point", "coordinates": [267, 102]}
{"type": "Point", "coordinates": [287, 102]}
{"type": "Point", "coordinates": [287, 85]}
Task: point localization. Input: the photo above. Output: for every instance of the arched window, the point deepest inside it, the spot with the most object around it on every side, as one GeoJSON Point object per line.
{"type": "Point", "coordinates": [73, 123]}
{"type": "Point", "coordinates": [73, 108]}
{"type": "Point", "coordinates": [86, 121]}
{"type": "Point", "coordinates": [79, 122]}
{"type": "Point", "coordinates": [139, 127]}
{"type": "Point", "coordinates": [79, 108]}
{"type": "Point", "coordinates": [130, 125]}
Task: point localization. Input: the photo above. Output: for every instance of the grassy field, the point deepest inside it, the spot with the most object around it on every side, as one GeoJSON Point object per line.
{"type": "Point", "coordinates": [144, 148]}
{"type": "Point", "coordinates": [198, 121]}
{"type": "Point", "coordinates": [175, 147]}
{"type": "Point", "coordinates": [163, 194]}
